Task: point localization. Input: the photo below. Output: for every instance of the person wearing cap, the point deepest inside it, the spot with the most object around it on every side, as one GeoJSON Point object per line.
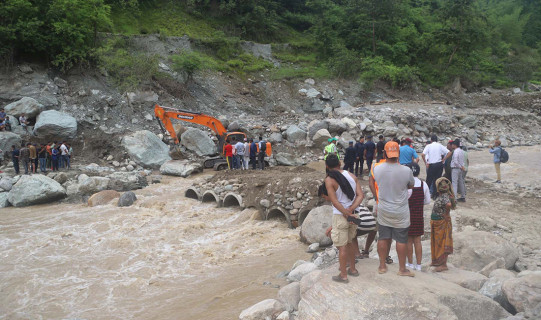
{"type": "Point", "coordinates": [331, 148]}
{"type": "Point", "coordinates": [369, 151]}
{"type": "Point", "coordinates": [393, 211]}
{"type": "Point", "coordinates": [458, 167]}
{"type": "Point", "coordinates": [407, 154]}
{"type": "Point", "coordinates": [349, 159]}
{"type": "Point", "coordinates": [432, 157]}
{"type": "Point", "coordinates": [410, 142]}
{"type": "Point", "coordinates": [418, 197]}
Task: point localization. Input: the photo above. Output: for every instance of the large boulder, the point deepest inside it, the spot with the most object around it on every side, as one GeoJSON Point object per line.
{"type": "Point", "coordinates": [388, 296]}
{"type": "Point", "coordinates": [146, 149]}
{"type": "Point", "coordinates": [290, 296]}
{"type": "Point", "coordinates": [464, 278]}
{"type": "Point", "coordinates": [288, 159]}
{"type": "Point", "coordinates": [524, 292]}
{"type": "Point", "coordinates": [315, 224]}
{"type": "Point", "coordinates": [315, 126]}
{"type": "Point", "coordinates": [92, 185]}
{"type": "Point", "coordinates": [102, 198]}
{"type": "Point", "coordinates": [127, 199]}
{"type": "Point", "coordinates": [126, 181]}
{"type": "Point", "coordinates": [300, 271]}
{"type": "Point", "coordinates": [6, 184]}
{"type": "Point", "coordinates": [8, 139]}
{"type": "Point", "coordinates": [4, 202]}
{"type": "Point", "coordinates": [336, 126]}
{"type": "Point", "coordinates": [469, 121]}
{"type": "Point", "coordinates": [35, 189]}
{"type": "Point", "coordinates": [321, 138]}
{"type": "Point", "coordinates": [473, 250]}
{"type": "Point", "coordinates": [29, 106]}
{"type": "Point", "coordinates": [198, 142]}
{"type": "Point", "coordinates": [294, 134]}
{"type": "Point", "coordinates": [275, 137]}
{"type": "Point", "coordinates": [269, 308]}
{"type": "Point", "coordinates": [180, 168]}
{"type": "Point", "coordinates": [493, 288]}
{"type": "Point", "coordinates": [54, 124]}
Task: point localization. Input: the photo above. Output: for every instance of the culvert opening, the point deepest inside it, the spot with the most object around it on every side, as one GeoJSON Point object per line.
{"type": "Point", "coordinates": [279, 214]}
{"type": "Point", "coordinates": [209, 197]}
{"type": "Point", "coordinates": [302, 215]}
{"type": "Point", "coordinates": [192, 194]}
{"type": "Point", "coordinates": [231, 200]}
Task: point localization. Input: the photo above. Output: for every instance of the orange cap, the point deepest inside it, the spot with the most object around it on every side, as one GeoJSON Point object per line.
{"type": "Point", "coordinates": [392, 150]}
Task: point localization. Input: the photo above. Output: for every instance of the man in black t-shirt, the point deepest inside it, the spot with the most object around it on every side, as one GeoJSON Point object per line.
{"type": "Point", "coordinates": [379, 148]}
{"type": "Point", "coordinates": [359, 161]}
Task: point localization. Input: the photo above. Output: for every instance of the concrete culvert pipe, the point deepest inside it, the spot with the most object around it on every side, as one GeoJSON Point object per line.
{"type": "Point", "coordinates": [233, 200]}
{"type": "Point", "coordinates": [192, 194]}
{"type": "Point", "coordinates": [279, 213]}
{"type": "Point", "coordinates": [210, 196]}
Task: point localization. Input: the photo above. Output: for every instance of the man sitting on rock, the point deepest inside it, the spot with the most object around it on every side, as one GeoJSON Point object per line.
{"type": "Point", "coordinates": [345, 194]}
{"type": "Point", "coordinates": [393, 217]}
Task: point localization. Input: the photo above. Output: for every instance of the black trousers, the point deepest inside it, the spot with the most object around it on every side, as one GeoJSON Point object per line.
{"type": "Point", "coordinates": [369, 163]}
{"type": "Point", "coordinates": [348, 166]}
{"type": "Point", "coordinates": [432, 174]}
{"type": "Point", "coordinates": [359, 164]}
{"type": "Point", "coordinates": [262, 160]}
{"type": "Point", "coordinates": [16, 166]}
{"type": "Point", "coordinates": [253, 161]}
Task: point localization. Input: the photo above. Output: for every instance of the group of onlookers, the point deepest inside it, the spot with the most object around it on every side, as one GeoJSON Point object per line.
{"type": "Point", "coordinates": [240, 154]}
{"type": "Point", "coordinates": [5, 122]}
{"type": "Point", "coordinates": [32, 156]}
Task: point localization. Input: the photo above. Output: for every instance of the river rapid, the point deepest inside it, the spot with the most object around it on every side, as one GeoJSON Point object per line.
{"type": "Point", "coordinates": [166, 257]}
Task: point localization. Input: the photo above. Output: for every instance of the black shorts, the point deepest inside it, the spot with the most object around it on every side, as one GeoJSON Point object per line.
{"type": "Point", "coordinates": [399, 235]}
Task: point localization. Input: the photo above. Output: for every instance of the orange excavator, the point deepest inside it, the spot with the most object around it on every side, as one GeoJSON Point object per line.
{"type": "Point", "coordinates": [164, 116]}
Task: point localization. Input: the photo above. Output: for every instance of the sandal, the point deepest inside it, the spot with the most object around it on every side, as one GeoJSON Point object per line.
{"type": "Point", "coordinates": [406, 274]}
{"type": "Point", "coordinates": [364, 254]}
{"type": "Point", "coordinates": [388, 260]}
{"type": "Point", "coordinates": [353, 274]}
{"type": "Point", "coordinates": [338, 278]}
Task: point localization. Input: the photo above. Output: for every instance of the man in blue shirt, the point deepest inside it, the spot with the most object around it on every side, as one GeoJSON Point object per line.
{"type": "Point", "coordinates": [359, 161]}
{"type": "Point", "coordinates": [369, 152]}
{"type": "Point", "coordinates": [496, 150]}
{"type": "Point", "coordinates": [407, 154]}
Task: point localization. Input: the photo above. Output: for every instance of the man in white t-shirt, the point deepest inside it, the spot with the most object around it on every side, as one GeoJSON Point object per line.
{"type": "Point", "coordinates": [246, 154]}
{"type": "Point", "coordinates": [239, 147]}
{"type": "Point", "coordinates": [64, 153]}
{"type": "Point", "coordinates": [434, 155]}
{"type": "Point", "coordinates": [393, 181]}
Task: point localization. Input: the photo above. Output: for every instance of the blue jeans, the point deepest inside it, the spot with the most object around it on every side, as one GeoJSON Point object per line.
{"type": "Point", "coordinates": [43, 164]}
{"type": "Point", "coordinates": [66, 161]}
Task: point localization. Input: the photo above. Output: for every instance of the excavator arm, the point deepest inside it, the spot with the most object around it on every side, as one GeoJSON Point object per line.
{"type": "Point", "coordinates": [164, 115]}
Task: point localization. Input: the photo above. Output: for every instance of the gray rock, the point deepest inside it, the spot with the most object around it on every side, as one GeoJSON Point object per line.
{"type": "Point", "coordinates": [287, 159]}
{"type": "Point", "coordinates": [473, 250]}
{"type": "Point", "coordinates": [269, 308]}
{"type": "Point", "coordinates": [496, 264]}
{"type": "Point", "coordinates": [29, 106]}
{"type": "Point", "coordinates": [464, 278]}
{"type": "Point", "coordinates": [315, 224]}
{"type": "Point", "coordinates": [314, 247]}
{"type": "Point", "coordinates": [421, 128]}
{"type": "Point", "coordinates": [493, 288]}
{"type": "Point", "coordinates": [283, 316]}
{"type": "Point", "coordinates": [25, 68]}
{"type": "Point", "coordinates": [61, 83]}
{"type": "Point", "coordinates": [259, 50]}
{"type": "Point", "coordinates": [390, 131]}
{"type": "Point", "coordinates": [127, 199]}
{"type": "Point", "coordinates": [472, 136]}
{"type": "Point", "coordinates": [146, 149]}
{"type": "Point", "coordinates": [524, 292]}
{"type": "Point", "coordinates": [265, 203]}
{"type": "Point", "coordinates": [198, 142]}
{"type": "Point", "coordinates": [180, 168]}
{"type": "Point", "coordinates": [371, 296]}
{"type": "Point", "coordinates": [102, 198]}
{"type": "Point", "coordinates": [321, 138]}
{"type": "Point", "coordinates": [61, 177]}
{"type": "Point", "coordinates": [516, 90]}
{"type": "Point", "coordinates": [469, 121]}
{"type": "Point", "coordinates": [275, 137]}
{"type": "Point", "coordinates": [233, 126]}
{"type": "Point", "coordinates": [290, 296]}
{"type": "Point", "coordinates": [54, 124]}
{"type": "Point", "coordinates": [35, 189]}
{"type": "Point", "coordinates": [310, 81]}
{"type": "Point", "coordinates": [4, 202]}
{"type": "Point", "coordinates": [7, 139]}
{"type": "Point", "coordinates": [336, 126]}
{"type": "Point", "coordinates": [143, 97]}
{"type": "Point", "coordinates": [315, 126]}
{"type": "Point", "coordinates": [312, 93]}
{"type": "Point", "coordinates": [93, 185]}
{"type": "Point", "coordinates": [125, 181]}
{"type": "Point", "coordinates": [295, 134]}
{"type": "Point", "coordinates": [6, 184]}
{"type": "Point", "coordinates": [300, 271]}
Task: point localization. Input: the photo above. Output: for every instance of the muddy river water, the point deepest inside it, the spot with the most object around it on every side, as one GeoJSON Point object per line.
{"type": "Point", "coordinates": [167, 257]}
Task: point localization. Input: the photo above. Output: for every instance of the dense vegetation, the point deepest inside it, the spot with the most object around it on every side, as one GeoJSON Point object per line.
{"type": "Point", "coordinates": [483, 42]}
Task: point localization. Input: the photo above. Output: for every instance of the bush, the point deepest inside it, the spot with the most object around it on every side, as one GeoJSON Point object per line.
{"type": "Point", "coordinates": [377, 69]}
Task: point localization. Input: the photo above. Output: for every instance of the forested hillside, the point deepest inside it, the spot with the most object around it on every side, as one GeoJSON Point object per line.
{"type": "Point", "coordinates": [484, 42]}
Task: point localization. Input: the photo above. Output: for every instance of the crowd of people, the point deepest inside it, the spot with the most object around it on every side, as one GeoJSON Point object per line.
{"type": "Point", "coordinates": [241, 154]}
{"type": "Point", "coordinates": [393, 171]}
{"type": "Point", "coordinates": [36, 158]}
{"type": "Point", "coordinates": [5, 121]}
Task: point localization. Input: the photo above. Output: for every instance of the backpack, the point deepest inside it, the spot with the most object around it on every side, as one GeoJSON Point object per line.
{"type": "Point", "coordinates": [504, 156]}
{"type": "Point", "coordinates": [263, 146]}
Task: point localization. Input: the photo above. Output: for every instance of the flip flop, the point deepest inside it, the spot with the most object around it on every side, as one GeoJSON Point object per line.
{"type": "Point", "coordinates": [388, 260]}
{"type": "Point", "coordinates": [338, 278]}
{"type": "Point", "coordinates": [353, 274]}
{"type": "Point", "coordinates": [406, 274]}
{"type": "Point", "coordinates": [364, 255]}
{"type": "Point", "coordinates": [380, 271]}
